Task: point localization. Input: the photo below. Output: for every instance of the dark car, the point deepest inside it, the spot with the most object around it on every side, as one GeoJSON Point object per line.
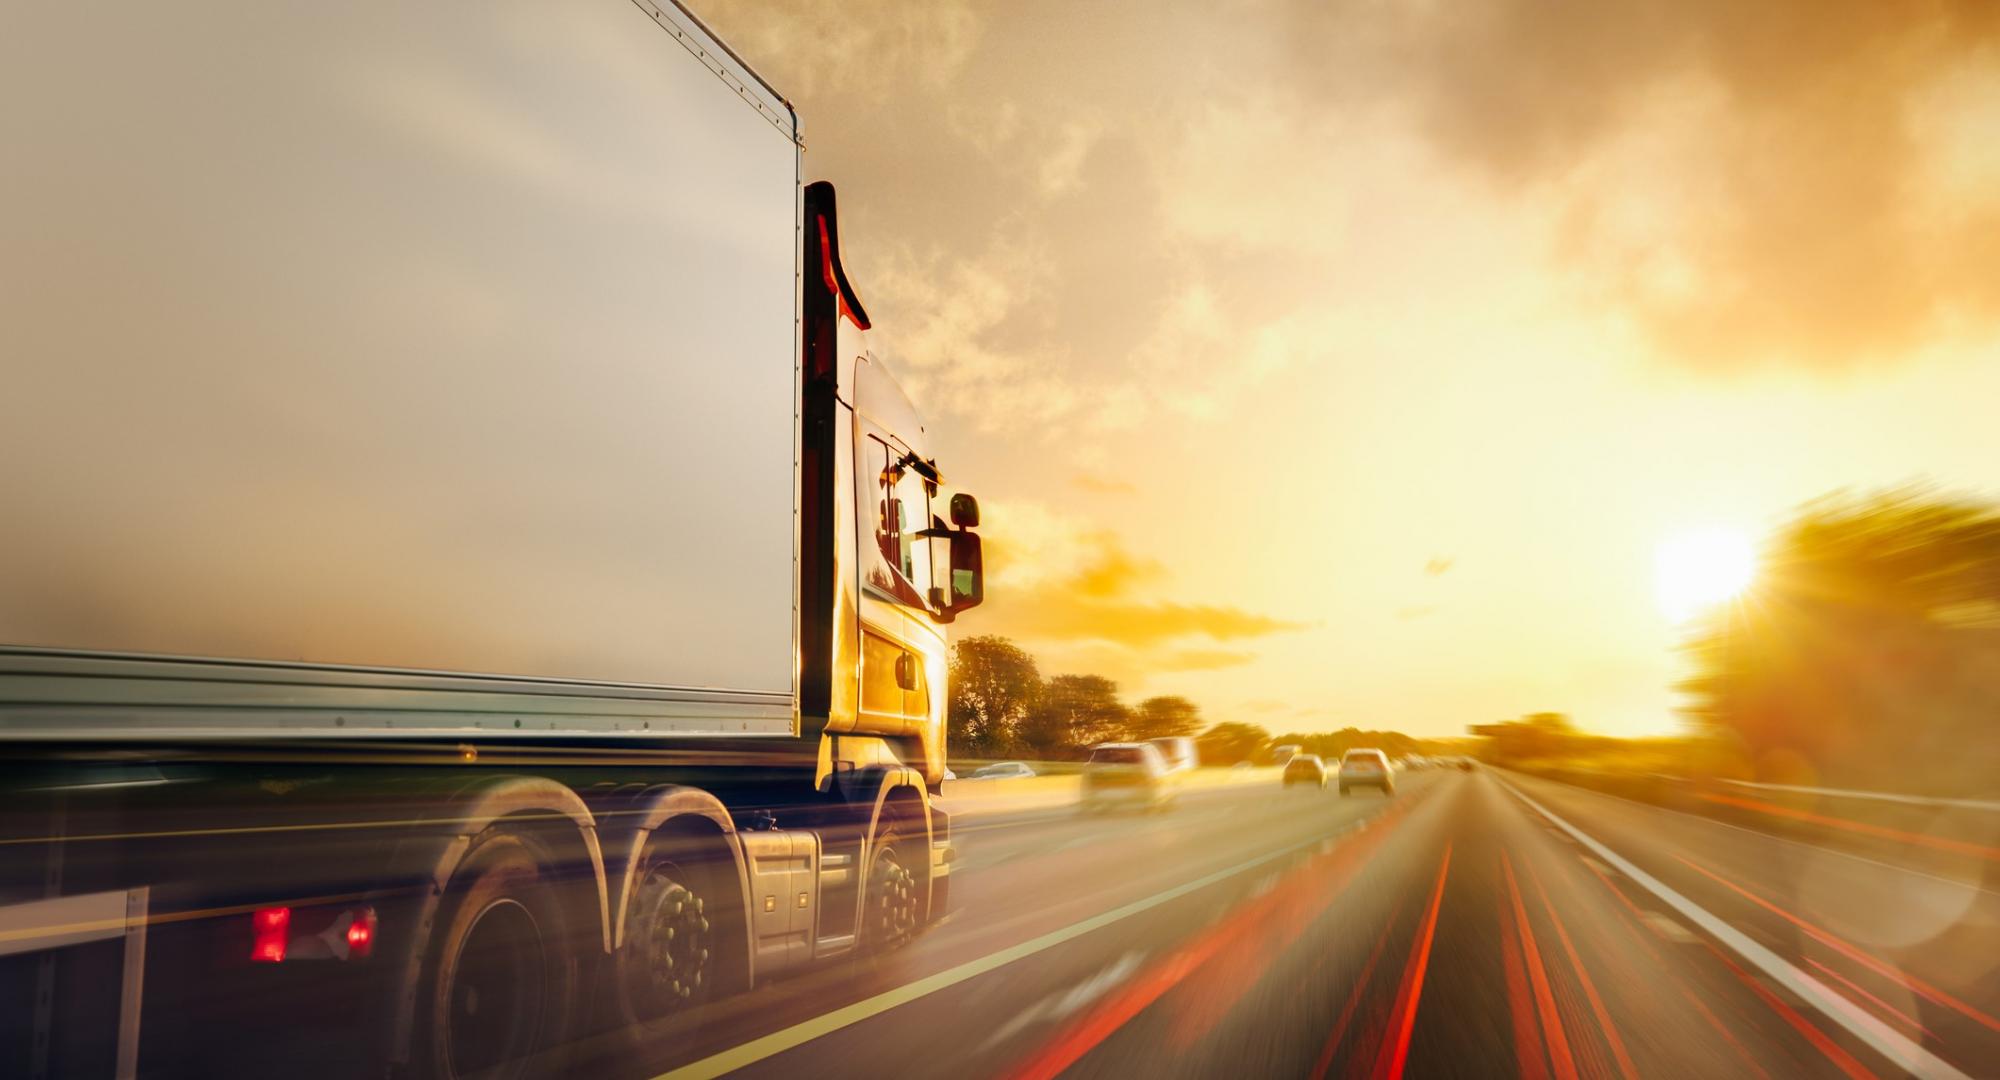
{"type": "Point", "coordinates": [1306, 769]}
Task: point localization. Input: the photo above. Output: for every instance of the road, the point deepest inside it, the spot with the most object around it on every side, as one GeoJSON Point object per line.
{"type": "Point", "coordinates": [1477, 924]}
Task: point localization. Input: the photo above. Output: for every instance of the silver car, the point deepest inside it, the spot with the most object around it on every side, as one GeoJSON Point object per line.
{"type": "Point", "coordinates": [1127, 775]}
{"type": "Point", "coordinates": [1367, 768]}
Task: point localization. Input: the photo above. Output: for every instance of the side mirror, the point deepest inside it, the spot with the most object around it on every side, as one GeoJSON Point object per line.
{"type": "Point", "coordinates": [967, 574]}
{"type": "Point", "coordinates": [964, 511]}
{"type": "Point", "coordinates": [968, 566]}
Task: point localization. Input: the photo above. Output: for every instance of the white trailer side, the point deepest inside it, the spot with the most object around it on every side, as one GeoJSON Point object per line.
{"type": "Point", "coordinates": [444, 338]}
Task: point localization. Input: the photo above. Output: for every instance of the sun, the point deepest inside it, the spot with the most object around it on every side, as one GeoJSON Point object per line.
{"type": "Point", "coordinates": [1694, 571]}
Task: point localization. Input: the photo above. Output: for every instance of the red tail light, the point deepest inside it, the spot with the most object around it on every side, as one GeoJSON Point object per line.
{"type": "Point", "coordinates": [274, 932]}
{"type": "Point", "coordinates": [361, 934]}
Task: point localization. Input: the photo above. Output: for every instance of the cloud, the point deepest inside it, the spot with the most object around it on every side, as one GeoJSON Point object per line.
{"type": "Point", "coordinates": [1778, 182]}
{"type": "Point", "coordinates": [1204, 659]}
{"type": "Point", "coordinates": [1080, 596]}
{"type": "Point", "coordinates": [1061, 169]}
{"type": "Point", "coordinates": [869, 48]}
{"type": "Point", "coordinates": [1099, 484]}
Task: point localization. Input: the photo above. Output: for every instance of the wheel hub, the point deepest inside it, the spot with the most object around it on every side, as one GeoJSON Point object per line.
{"type": "Point", "coordinates": [668, 954]}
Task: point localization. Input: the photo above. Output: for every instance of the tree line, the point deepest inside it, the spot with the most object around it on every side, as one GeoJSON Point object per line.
{"type": "Point", "coordinates": [1002, 706]}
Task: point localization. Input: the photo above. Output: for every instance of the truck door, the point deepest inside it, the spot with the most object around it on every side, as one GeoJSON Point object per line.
{"type": "Point", "coordinates": [895, 578]}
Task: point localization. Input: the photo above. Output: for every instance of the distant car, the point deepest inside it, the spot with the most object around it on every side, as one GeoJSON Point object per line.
{"type": "Point", "coordinates": [1465, 764]}
{"type": "Point", "coordinates": [1366, 768]}
{"type": "Point", "coordinates": [1178, 750]}
{"type": "Point", "coordinates": [1306, 769]}
{"type": "Point", "coordinates": [1285, 753]}
{"type": "Point", "coordinates": [1004, 770]}
{"type": "Point", "coordinates": [1129, 775]}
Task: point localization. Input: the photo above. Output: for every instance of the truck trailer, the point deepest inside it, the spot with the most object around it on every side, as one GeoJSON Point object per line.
{"type": "Point", "coordinates": [467, 587]}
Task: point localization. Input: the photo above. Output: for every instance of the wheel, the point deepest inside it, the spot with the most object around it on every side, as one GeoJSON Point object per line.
{"type": "Point", "coordinates": [894, 901]}
{"type": "Point", "coordinates": [501, 975]}
{"type": "Point", "coordinates": [1343, 791]}
{"type": "Point", "coordinates": [1388, 790]}
{"type": "Point", "coordinates": [671, 958]}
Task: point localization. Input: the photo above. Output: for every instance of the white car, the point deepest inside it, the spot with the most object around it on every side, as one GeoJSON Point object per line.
{"type": "Point", "coordinates": [1004, 770]}
{"type": "Point", "coordinates": [1179, 752]}
{"type": "Point", "coordinates": [1127, 774]}
{"type": "Point", "coordinates": [1367, 768]}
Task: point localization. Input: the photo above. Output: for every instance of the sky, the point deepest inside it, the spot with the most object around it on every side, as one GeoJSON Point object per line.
{"type": "Point", "coordinates": [1345, 363]}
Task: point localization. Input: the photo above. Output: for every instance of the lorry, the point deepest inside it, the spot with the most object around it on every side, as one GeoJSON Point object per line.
{"type": "Point", "coordinates": [468, 586]}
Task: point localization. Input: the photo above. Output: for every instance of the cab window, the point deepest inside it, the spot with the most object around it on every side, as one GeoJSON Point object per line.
{"type": "Point", "coordinates": [901, 511]}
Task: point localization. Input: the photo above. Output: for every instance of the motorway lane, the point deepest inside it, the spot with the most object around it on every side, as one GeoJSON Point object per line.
{"type": "Point", "coordinates": [1020, 877]}
{"type": "Point", "coordinates": [1450, 931]}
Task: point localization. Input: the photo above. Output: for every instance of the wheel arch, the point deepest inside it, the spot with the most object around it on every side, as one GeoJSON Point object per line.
{"type": "Point", "coordinates": [438, 848]}
{"type": "Point", "coordinates": [899, 799]}
{"type": "Point", "coordinates": [700, 818]}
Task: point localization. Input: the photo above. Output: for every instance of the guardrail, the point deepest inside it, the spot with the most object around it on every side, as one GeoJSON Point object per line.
{"type": "Point", "coordinates": [1990, 805]}
{"type": "Point", "coordinates": [1935, 831]}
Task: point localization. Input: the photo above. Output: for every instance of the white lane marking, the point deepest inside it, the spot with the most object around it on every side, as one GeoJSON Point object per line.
{"type": "Point", "coordinates": [1891, 1044]}
{"type": "Point", "coordinates": [1056, 1006]}
{"type": "Point", "coordinates": [1939, 878]}
{"type": "Point", "coordinates": [801, 1033]}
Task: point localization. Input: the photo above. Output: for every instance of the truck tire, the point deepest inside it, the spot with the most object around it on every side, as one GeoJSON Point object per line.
{"type": "Point", "coordinates": [501, 973]}
{"type": "Point", "coordinates": [894, 902]}
{"type": "Point", "coordinates": [672, 955]}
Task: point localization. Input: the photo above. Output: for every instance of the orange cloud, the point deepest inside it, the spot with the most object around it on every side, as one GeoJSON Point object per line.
{"type": "Point", "coordinates": [1789, 180]}
{"type": "Point", "coordinates": [1083, 597]}
{"type": "Point", "coordinates": [1102, 485]}
{"type": "Point", "coordinates": [1205, 659]}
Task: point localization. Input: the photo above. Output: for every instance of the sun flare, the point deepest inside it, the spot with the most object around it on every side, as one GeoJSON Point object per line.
{"type": "Point", "coordinates": [1694, 571]}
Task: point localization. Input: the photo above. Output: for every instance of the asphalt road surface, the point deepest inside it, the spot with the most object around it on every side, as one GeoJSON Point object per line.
{"type": "Point", "coordinates": [1475, 924]}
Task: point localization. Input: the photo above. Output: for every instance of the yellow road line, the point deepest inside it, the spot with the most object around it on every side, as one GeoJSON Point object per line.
{"type": "Point", "coordinates": [799, 1034]}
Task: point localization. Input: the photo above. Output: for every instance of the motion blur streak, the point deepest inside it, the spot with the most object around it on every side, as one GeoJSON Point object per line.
{"type": "Point", "coordinates": [1850, 951]}
{"type": "Point", "coordinates": [1397, 1052]}
{"type": "Point", "coordinates": [1722, 1029]}
{"type": "Point", "coordinates": [1324, 877]}
{"type": "Point", "coordinates": [1545, 1002]}
{"type": "Point", "coordinates": [1880, 1005]}
{"type": "Point", "coordinates": [1347, 1010]}
{"type": "Point", "coordinates": [1901, 836]}
{"type": "Point", "coordinates": [1803, 1026]}
{"type": "Point", "coordinates": [1520, 1007]}
{"type": "Point", "coordinates": [1625, 1067]}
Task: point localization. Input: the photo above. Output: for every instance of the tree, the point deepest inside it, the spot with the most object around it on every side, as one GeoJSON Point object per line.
{"type": "Point", "coordinates": [1231, 742]}
{"type": "Point", "coordinates": [994, 687]}
{"type": "Point", "coordinates": [1161, 717]}
{"type": "Point", "coordinates": [1870, 646]}
{"type": "Point", "coordinates": [1534, 737]}
{"type": "Point", "coordinates": [1075, 711]}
